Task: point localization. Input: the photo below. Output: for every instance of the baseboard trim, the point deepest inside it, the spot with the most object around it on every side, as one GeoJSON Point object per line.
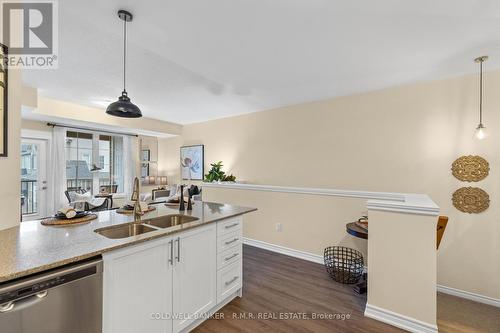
{"type": "Point", "coordinates": [284, 250]}
{"type": "Point", "coordinates": [468, 295]}
{"type": "Point", "coordinates": [398, 320]}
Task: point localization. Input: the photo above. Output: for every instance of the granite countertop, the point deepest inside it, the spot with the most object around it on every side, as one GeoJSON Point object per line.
{"type": "Point", "coordinates": [32, 247]}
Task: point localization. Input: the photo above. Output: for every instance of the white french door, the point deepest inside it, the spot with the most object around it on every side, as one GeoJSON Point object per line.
{"type": "Point", "coordinates": [33, 178]}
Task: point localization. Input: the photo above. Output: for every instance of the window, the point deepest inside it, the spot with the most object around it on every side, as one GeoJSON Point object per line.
{"type": "Point", "coordinates": [110, 160]}
{"type": "Point", "coordinates": [79, 161]}
{"type": "Point", "coordinates": [94, 162]}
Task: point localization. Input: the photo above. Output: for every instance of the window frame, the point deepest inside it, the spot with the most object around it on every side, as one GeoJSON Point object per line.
{"type": "Point", "coordinates": [95, 157]}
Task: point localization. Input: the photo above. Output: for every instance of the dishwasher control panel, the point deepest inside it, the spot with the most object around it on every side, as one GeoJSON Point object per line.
{"type": "Point", "coordinates": [29, 288]}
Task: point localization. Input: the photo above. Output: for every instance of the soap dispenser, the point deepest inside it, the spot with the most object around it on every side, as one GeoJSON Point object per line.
{"type": "Point", "coordinates": [190, 206]}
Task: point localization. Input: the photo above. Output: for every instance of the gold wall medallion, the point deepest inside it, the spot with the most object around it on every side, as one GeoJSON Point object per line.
{"type": "Point", "coordinates": [471, 200]}
{"type": "Point", "coordinates": [470, 168]}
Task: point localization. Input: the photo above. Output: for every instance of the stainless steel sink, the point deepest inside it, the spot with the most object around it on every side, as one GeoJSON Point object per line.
{"type": "Point", "coordinates": [170, 220]}
{"type": "Point", "coordinates": [124, 230]}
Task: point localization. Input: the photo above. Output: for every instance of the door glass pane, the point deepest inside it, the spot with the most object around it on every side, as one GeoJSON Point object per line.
{"type": "Point", "coordinates": [29, 178]}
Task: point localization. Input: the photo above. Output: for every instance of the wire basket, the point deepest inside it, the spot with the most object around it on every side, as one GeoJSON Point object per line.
{"type": "Point", "coordinates": [343, 264]}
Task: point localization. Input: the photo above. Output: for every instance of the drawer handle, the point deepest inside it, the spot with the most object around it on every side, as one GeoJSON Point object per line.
{"type": "Point", "coordinates": [231, 225]}
{"type": "Point", "coordinates": [231, 281]}
{"type": "Point", "coordinates": [231, 241]}
{"type": "Point", "coordinates": [231, 257]}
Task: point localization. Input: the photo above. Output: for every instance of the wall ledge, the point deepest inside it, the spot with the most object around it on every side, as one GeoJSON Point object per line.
{"type": "Point", "coordinates": [398, 320]}
{"type": "Point", "coordinates": [407, 203]}
{"type": "Point", "coordinates": [413, 204]}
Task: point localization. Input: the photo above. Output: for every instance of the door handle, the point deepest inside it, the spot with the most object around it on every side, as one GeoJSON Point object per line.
{"type": "Point", "coordinates": [44, 187]}
{"type": "Point", "coordinates": [171, 258]}
{"type": "Point", "coordinates": [231, 225]}
{"type": "Point", "coordinates": [178, 257]}
{"type": "Point", "coordinates": [23, 303]}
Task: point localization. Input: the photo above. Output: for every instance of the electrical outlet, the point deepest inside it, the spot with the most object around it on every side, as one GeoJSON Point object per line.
{"type": "Point", "coordinates": [279, 227]}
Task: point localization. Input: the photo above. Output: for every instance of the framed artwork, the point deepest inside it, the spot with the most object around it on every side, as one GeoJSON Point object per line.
{"type": "Point", "coordinates": [145, 157]}
{"type": "Point", "coordinates": [192, 162]}
{"type": "Point", "coordinates": [3, 101]}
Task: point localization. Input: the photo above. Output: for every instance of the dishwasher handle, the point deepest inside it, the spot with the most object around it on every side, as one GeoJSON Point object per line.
{"type": "Point", "coordinates": [23, 303]}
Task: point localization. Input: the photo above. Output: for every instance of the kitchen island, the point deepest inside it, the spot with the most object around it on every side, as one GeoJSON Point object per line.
{"type": "Point", "coordinates": [168, 279]}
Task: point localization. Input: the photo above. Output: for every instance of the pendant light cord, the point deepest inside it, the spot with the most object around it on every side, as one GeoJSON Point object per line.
{"type": "Point", "coordinates": [124, 54]}
{"type": "Point", "coordinates": [481, 92]}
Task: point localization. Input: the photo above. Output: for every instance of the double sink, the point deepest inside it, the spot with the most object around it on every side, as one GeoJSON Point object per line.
{"type": "Point", "coordinates": [134, 228]}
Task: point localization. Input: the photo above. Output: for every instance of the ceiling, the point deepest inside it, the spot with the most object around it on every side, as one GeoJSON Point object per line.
{"type": "Point", "coordinates": [191, 61]}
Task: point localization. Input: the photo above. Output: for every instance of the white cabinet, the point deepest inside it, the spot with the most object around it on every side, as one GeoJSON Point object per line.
{"type": "Point", "coordinates": [229, 259]}
{"type": "Point", "coordinates": [170, 284]}
{"type": "Point", "coordinates": [229, 280]}
{"type": "Point", "coordinates": [137, 288]}
{"type": "Point", "coordinates": [195, 273]}
{"type": "Point", "coordinates": [229, 225]}
{"type": "Point", "coordinates": [229, 256]}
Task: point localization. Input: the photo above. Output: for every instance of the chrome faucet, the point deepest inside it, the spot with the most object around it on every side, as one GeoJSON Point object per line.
{"type": "Point", "coordinates": [137, 204]}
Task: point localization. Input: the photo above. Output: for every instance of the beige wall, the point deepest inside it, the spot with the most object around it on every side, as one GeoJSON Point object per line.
{"type": "Point", "coordinates": [35, 125]}
{"type": "Point", "coordinates": [169, 158]}
{"type": "Point", "coordinates": [402, 139]}
{"type": "Point", "coordinates": [314, 223]}
{"type": "Point", "coordinates": [10, 177]}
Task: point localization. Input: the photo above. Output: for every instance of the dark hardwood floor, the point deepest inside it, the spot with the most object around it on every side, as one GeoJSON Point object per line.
{"type": "Point", "coordinates": [276, 284]}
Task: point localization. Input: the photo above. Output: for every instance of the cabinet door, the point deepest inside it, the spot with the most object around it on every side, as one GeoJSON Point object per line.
{"type": "Point", "coordinates": [137, 289]}
{"type": "Point", "coordinates": [195, 274]}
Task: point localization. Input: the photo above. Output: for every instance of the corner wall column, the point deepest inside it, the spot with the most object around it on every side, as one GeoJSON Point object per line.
{"type": "Point", "coordinates": [402, 268]}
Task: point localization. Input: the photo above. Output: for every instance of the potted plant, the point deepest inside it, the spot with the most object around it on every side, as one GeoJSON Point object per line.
{"type": "Point", "coordinates": [215, 174]}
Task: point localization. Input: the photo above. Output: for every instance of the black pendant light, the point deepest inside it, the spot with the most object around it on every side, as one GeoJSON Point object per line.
{"type": "Point", "coordinates": [123, 107]}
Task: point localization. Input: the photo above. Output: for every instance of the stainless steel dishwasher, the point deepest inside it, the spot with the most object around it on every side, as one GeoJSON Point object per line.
{"type": "Point", "coordinates": [63, 300]}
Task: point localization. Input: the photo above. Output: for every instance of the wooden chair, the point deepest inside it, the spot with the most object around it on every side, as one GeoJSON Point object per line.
{"type": "Point", "coordinates": [79, 190]}
{"type": "Point", "coordinates": [441, 226]}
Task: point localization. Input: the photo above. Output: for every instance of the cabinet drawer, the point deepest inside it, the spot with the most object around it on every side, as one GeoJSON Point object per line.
{"type": "Point", "coordinates": [229, 225]}
{"type": "Point", "coordinates": [229, 256]}
{"type": "Point", "coordinates": [229, 280]}
{"type": "Point", "coordinates": [227, 241]}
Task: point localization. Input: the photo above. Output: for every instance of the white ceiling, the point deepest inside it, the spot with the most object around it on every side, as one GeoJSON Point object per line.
{"type": "Point", "coordinates": [192, 61]}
